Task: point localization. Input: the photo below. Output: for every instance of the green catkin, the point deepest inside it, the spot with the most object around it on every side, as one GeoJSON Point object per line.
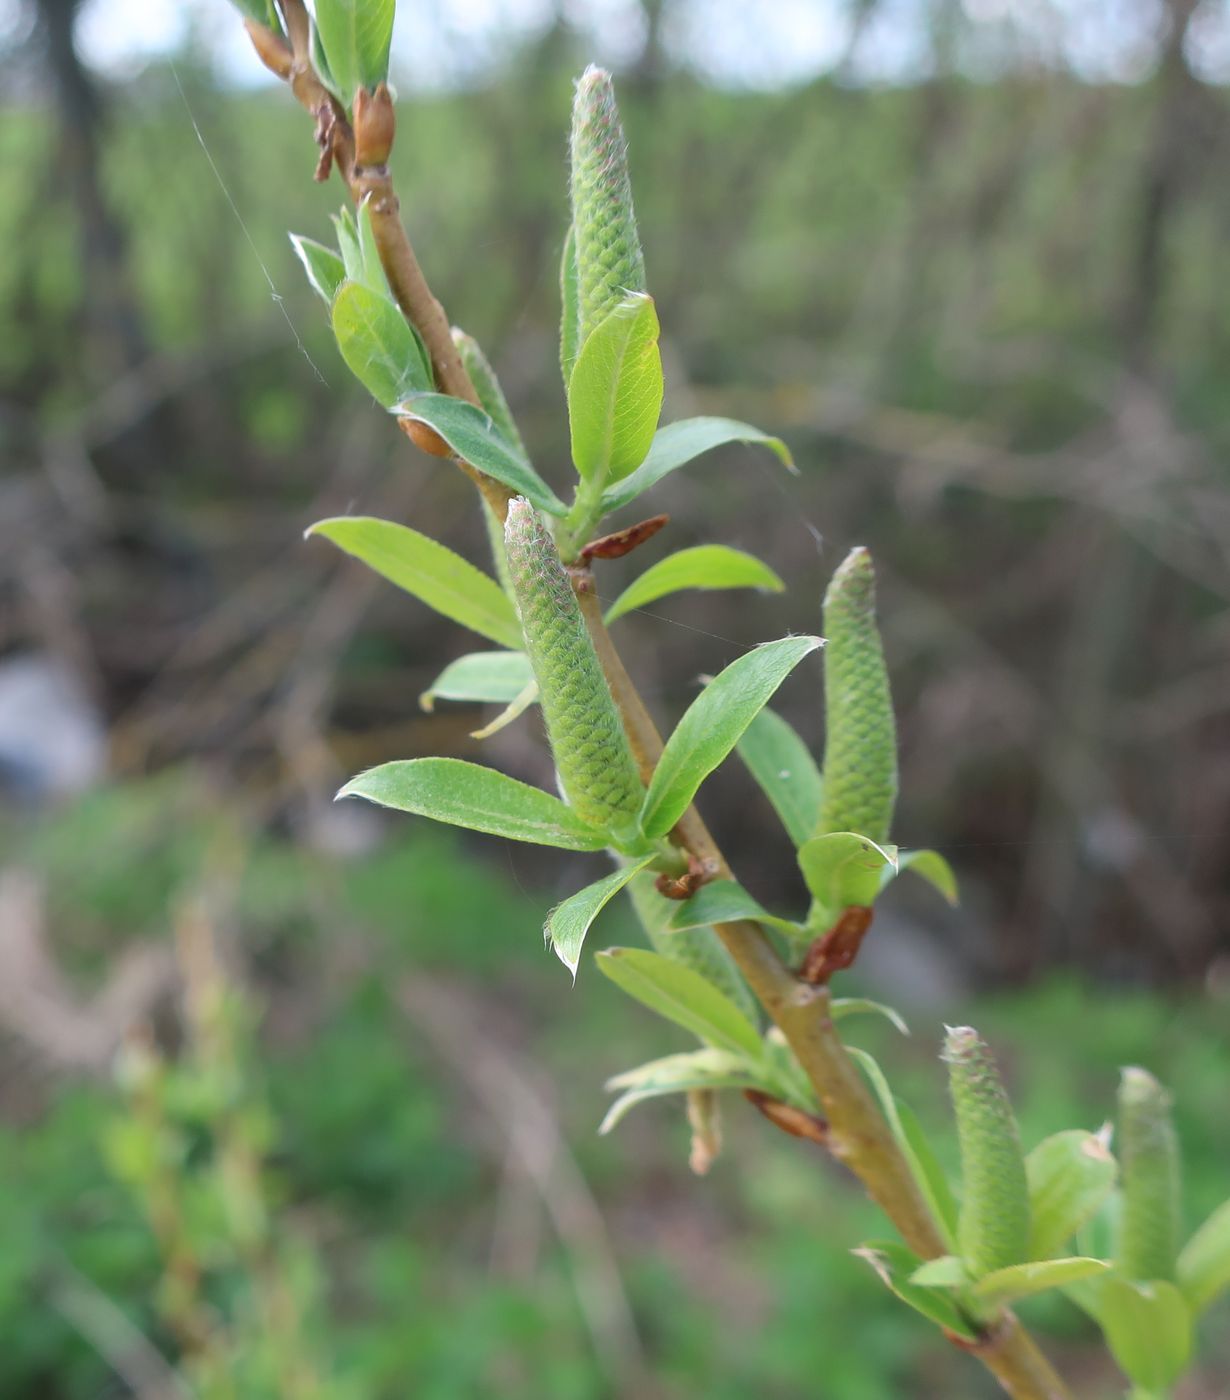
{"type": "Point", "coordinates": [1149, 1165]}
{"type": "Point", "coordinates": [697, 948]}
{"type": "Point", "coordinates": [587, 738]}
{"type": "Point", "coordinates": [608, 249]}
{"type": "Point", "coordinates": [993, 1229]}
{"type": "Point", "coordinates": [860, 742]}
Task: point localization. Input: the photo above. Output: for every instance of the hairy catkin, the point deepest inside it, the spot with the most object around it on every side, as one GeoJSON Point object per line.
{"type": "Point", "coordinates": [608, 248]}
{"type": "Point", "coordinates": [1149, 1165]}
{"type": "Point", "coordinates": [587, 738]}
{"type": "Point", "coordinates": [993, 1229]}
{"type": "Point", "coordinates": [860, 741]}
{"type": "Point", "coordinates": [697, 948]}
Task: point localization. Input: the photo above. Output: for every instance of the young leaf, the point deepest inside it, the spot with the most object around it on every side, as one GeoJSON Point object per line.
{"type": "Point", "coordinates": [676, 1074]}
{"type": "Point", "coordinates": [677, 444]}
{"type": "Point", "coordinates": [1004, 1286]}
{"type": "Point", "coordinates": [489, 677]}
{"type": "Point", "coordinates": [355, 36]}
{"type": "Point", "coordinates": [712, 726]}
{"type": "Point", "coordinates": [721, 902]}
{"type": "Point", "coordinates": [1069, 1175]}
{"type": "Point", "coordinates": [489, 389]}
{"type": "Point", "coordinates": [705, 566]}
{"type": "Point", "coordinates": [929, 866]}
{"type": "Point", "coordinates": [518, 705]}
{"type": "Point", "coordinates": [615, 392]}
{"type": "Point", "coordinates": [348, 243]}
{"type": "Point", "coordinates": [474, 437]}
{"type": "Point", "coordinates": [1203, 1270]}
{"type": "Point", "coordinates": [568, 923]}
{"type": "Point", "coordinates": [924, 1167]}
{"type": "Point", "coordinates": [783, 766]}
{"type": "Point", "coordinates": [570, 306]}
{"type": "Point", "coordinates": [948, 1271]}
{"type": "Point", "coordinates": [262, 11]}
{"type": "Point", "coordinates": [844, 868]}
{"type": "Point", "coordinates": [1148, 1328]}
{"type": "Point", "coordinates": [373, 269]}
{"type": "Point", "coordinates": [840, 1007]}
{"type": "Point", "coordinates": [682, 996]}
{"type": "Point", "coordinates": [381, 348]}
{"type": "Point", "coordinates": [895, 1265]}
{"type": "Point", "coordinates": [325, 270]}
{"type": "Point", "coordinates": [480, 799]}
{"type": "Point", "coordinates": [441, 579]}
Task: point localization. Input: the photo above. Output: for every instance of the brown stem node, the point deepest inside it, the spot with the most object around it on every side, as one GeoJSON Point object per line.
{"type": "Point", "coordinates": [375, 125]}
{"type": "Point", "coordinates": [836, 950]}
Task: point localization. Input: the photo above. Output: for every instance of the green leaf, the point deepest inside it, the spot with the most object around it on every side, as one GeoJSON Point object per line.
{"type": "Point", "coordinates": [948, 1271]}
{"type": "Point", "coordinates": [782, 764]}
{"type": "Point", "coordinates": [929, 866]}
{"type": "Point", "coordinates": [441, 579]}
{"type": "Point", "coordinates": [924, 1167]}
{"type": "Point", "coordinates": [348, 244]}
{"type": "Point", "coordinates": [488, 677]}
{"type": "Point", "coordinates": [723, 902]}
{"type": "Point", "coordinates": [844, 868]}
{"type": "Point", "coordinates": [676, 1074]}
{"type": "Point", "coordinates": [380, 347]}
{"type": "Point", "coordinates": [325, 270]}
{"type": "Point", "coordinates": [369, 252]}
{"type": "Point", "coordinates": [475, 438]}
{"type": "Point", "coordinates": [712, 726]}
{"type": "Point", "coordinates": [1148, 1328]}
{"type": "Point", "coordinates": [1003, 1286]}
{"type": "Point", "coordinates": [841, 1007]}
{"type": "Point", "coordinates": [355, 36]}
{"type": "Point", "coordinates": [682, 996]}
{"type": "Point", "coordinates": [516, 706]}
{"type": "Point", "coordinates": [615, 392]}
{"type": "Point", "coordinates": [570, 306]}
{"type": "Point", "coordinates": [677, 444]}
{"type": "Point", "coordinates": [480, 799]}
{"type": "Point", "coordinates": [895, 1265]}
{"type": "Point", "coordinates": [705, 566]}
{"type": "Point", "coordinates": [262, 11]}
{"type": "Point", "coordinates": [1069, 1174]}
{"type": "Point", "coordinates": [321, 65]}
{"type": "Point", "coordinates": [568, 923]}
{"type": "Point", "coordinates": [1203, 1269]}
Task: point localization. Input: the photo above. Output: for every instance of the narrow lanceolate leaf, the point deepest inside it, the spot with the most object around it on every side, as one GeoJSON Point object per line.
{"type": "Point", "coordinates": [441, 579]}
{"type": "Point", "coordinates": [722, 902]}
{"type": "Point", "coordinates": [587, 737]}
{"type": "Point", "coordinates": [782, 764]}
{"type": "Point", "coordinates": [355, 36]}
{"type": "Point", "coordinates": [1149, 1161]}
{"type": "Point", "coordinates": [713, 724]}
{"type": "Point", "coordinates": [480, 799]}
{"type": "Point", "coordinates": [262, 11]}
{"type": "Point", "coordinates": [348, 243]}
{"type": "Point", "coordinates": [860, 741]}
{"type": "Point", "coordinates": [929, 866]}
{"type": "Point", "coordinates": [993, 1230]}
{"type": "Point", "coordinates": [380, 347]}
{"type": "Point", "coordinates": [486, 677]}
{"type": "Point", "coordinates": [682, 996]}
{"type": "Point", "coordinates": [705, 566]}
{"type": "Point", "coordinates": [1005, 1286]}
{"type": "Point", "coordinates": [1069, 1175]}
{"type": "Point", "coordinates": [841, 1007]}
{"type": "Point", "coordinates": [844, 868]}
{"type": "Point", "coordinates": [698, 948]}
{"type": "Point", "coordinates": [608, 248]}
{"type": "Point", "coordinates": [488, 388]}
{"type": "Point", "coordinates": [677, 1074]}
{"type": "Point", "coordinates": [570, 307]}
{"type": "Point", "coordinates": [1203, 1270]}
{"type": "Point", "coordinates": [525, 697]}
{"type": "Point", "coordinates": [677, 444]}
{"type": "Point", "coordinates": [569, 922]}
{"type": "Point", "coordinates": [325, 270]}
{"type": "Point", "coordinates": [369, 252]}
{"type": "Point", "coordinates": [615, 392]}
{"type": "Point", "coordinates": [1148, 1328]}
{"type": "Point", "coordinates": [895, 1266]}
{"type": "Point", "coordinates": [475, 438]}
